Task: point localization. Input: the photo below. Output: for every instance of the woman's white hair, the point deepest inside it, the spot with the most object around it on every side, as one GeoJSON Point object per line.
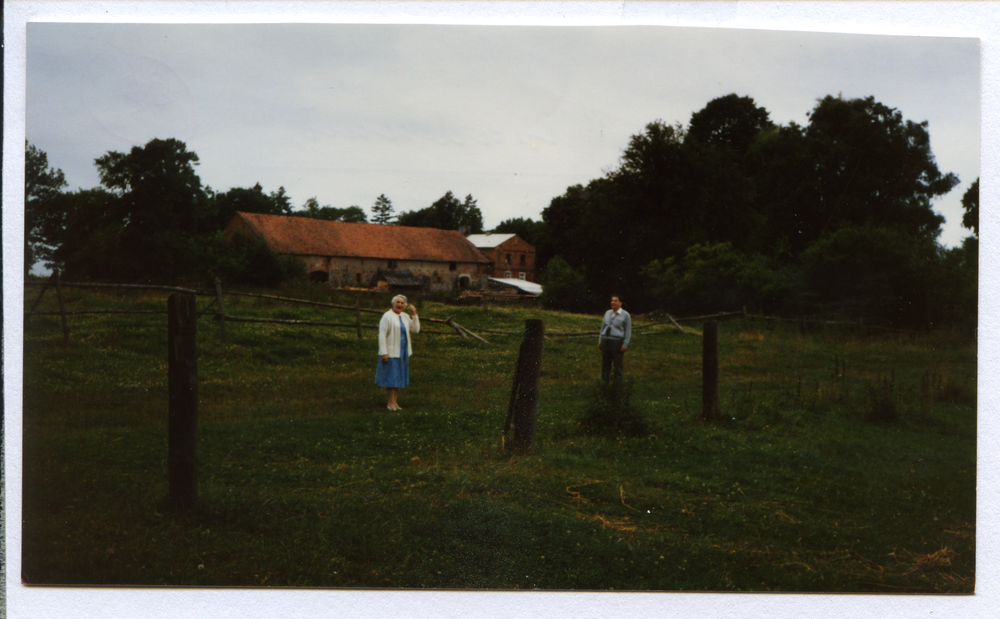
{"type": "Point", "coordinates": [398, 296]}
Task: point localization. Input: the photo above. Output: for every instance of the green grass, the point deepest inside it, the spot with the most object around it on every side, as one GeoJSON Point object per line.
{"type": "Point", "coordinates": [305, 479]}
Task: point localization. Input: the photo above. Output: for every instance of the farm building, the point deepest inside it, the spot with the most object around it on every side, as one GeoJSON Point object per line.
{"type": "Point", "coordinates": [368, 255]}
{"type": "Point", "coordinates": [512, 256]}
{"type": "Point", "coordinates": [515, 286]}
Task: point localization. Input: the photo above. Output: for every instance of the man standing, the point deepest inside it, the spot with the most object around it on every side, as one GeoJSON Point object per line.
{"type": "Point", "coordinates": [615, 335]}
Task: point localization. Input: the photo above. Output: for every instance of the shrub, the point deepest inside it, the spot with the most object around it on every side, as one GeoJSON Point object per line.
{"type": "Point", "coordinates": [250, 261]}
{"type": "Point", "coordinates": [719, 278]}
{"type": "Point", "coordinates": [611, 411]}
{"type": "Point", "coordinates": [565, 288]}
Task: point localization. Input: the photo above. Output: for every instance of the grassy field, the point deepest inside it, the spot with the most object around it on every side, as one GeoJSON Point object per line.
{"type": "Point", "coordinates": [845, 463]}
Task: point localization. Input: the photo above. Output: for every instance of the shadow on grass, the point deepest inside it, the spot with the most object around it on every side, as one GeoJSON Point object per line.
{"type": "Point", "coordinates": [611, 411]}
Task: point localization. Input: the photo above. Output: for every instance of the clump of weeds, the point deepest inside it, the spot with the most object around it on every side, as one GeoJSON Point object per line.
{"type": "Point", "coordinates": [611, 411]}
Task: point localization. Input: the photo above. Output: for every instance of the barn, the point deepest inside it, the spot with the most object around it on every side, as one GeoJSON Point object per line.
{"type": "Point", "coordinates": [363, 255]}
{"type": "Point", "coordinates": [511, 256]}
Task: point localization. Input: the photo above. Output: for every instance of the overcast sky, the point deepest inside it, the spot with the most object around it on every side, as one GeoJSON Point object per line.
{"type": "Point", "coordinates": [511, 115]}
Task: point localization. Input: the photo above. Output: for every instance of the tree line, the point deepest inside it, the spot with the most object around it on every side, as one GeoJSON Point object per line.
{"type": "Point", "coordinates": [152, 220]}
{"type": "Point", "coordinates": [731, 210]}
{"type": "Point", "coordinates": [736, 211]}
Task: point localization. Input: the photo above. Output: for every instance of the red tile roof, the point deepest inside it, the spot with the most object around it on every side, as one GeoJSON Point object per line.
{"type": "Point", "coordinates": [306, 236]}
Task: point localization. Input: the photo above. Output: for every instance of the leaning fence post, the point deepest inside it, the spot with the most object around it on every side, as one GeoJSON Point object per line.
{"type": "Point", "coordinates": [221, 314]}
{"type": "Point", "coordinates": [42, 293]}
{"type": "Point", "coordinates": [528, 381]}
{"type": "Point", "coordinates": [357, 314]}
{"type": "Point", "coordinates": [513, 391]}
{"type": "Point", "coordinates": [62, 308]}
{"type": "Point", "coordinates": [182, 370]}
{"type": "Point", "coordinates": [710, 372]}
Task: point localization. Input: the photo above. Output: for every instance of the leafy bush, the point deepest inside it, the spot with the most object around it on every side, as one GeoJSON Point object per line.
{"type": "Point", "coordinates": [717, 278]}
{"type": "Point", "coordinates": [249, 261]}
{"type": "Point", "coordinates": [565, 288]}
{"type": "Point", "coordinates": [883, 269]}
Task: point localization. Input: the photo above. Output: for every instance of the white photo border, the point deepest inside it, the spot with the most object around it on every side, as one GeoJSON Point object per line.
{"type": "Point", "coordinates": [951, 19]}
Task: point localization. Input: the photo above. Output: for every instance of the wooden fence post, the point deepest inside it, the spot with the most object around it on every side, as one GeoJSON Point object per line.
{"type": "Point", "coordinates": [513, 390]}
{"type": "Point", "coordinates": [710, 372]}
{"type": "Point", "coordinates": [41, 294]}
{"type": "Point", "coordinates": [357, 313]}
{"type": "Point", "coordinates": [221, 314]}
{"type": "Point", "coordinates": [527, 386]}
{"type": "Point", "coordinates": [182, 370]}
{"type": "Point", "coordinates": [62, 308]}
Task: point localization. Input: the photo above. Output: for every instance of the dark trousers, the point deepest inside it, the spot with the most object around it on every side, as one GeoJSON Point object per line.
{"type": "Point", "coordinates": [611, 354]}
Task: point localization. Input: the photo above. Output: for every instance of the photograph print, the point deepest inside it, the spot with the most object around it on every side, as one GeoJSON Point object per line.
{"type": "Point", "coordinates": [590, 308]}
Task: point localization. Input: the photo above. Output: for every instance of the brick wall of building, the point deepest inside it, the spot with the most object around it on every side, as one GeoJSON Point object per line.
{"type": "Point", "coordinates": [513, 255]}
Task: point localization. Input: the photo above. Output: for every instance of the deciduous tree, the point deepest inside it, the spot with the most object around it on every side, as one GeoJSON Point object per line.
{"type": "Point", "coordinates": [768, 192]}
{"type": "Point", "coordinates": [527, 229]}
{"type": "Point", "coordinates": [351, 214]}
{"type": "Point", "coordinates": [145, 221]}
{"type": "Point", "coordinates": [873, 167]}
{"type": "Point", "coordinates": [42, 185]}
{"type": "Point", "coordinates": [253, 200]}
{"type": "Point", "coordinates": [447, 213]}
{"type": "Point", "coordinates": [731, 121]}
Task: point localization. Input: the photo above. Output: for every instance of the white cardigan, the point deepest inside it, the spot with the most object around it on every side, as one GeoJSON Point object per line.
{"type": "Point", "coordinates": [389, 334]}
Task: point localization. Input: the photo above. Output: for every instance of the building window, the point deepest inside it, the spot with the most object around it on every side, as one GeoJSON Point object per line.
{"type": "Point", "coordinates": [524, 259]}
{"type": "Point", "coordinates": [393, 264]}
{"type": "Point", "coordinates": [507, 259]}
{"type": "Point", "coordinates": [357, 277]}
{"type": "Point", "coordinates": [452, 266]}
{"type": "Point", "coordinates": [520, 276]}
{"type": "Point", "coordinates": [506, 274]}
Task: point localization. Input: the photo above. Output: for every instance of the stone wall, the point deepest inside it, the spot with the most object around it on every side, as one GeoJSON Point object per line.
{"type": "Point", "coordinates": [362, 272]}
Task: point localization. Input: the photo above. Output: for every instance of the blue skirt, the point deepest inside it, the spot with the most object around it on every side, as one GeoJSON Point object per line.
{"type": "Point", "coordinates": [395, 374]}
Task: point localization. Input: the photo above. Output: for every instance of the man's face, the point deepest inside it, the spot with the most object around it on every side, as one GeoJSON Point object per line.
{"type": "Point", "coordinates": [616, 303]}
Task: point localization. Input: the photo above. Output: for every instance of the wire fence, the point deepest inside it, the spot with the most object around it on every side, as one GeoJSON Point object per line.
{"type": "Point", "coordinates": [219, 314]}
{"type": "Point", "coordinates": [663, 323]}
{"type": "Point", "coordinates": [217, 309]}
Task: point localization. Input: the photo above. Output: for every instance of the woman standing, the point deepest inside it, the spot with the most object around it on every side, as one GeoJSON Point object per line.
{"type": "Point", "coordinates": [394, 349]}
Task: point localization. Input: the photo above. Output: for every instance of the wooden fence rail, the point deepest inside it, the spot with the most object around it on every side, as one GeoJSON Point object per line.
{"type": "Point", "coordinates": [292, 300]}
{"type": "Point", "coordinates": [318, 323]}
{"type": "Point", "coordinates": [96, 285]}
{"type": "Point", "coordinates": [219, 315]}
{"type": "Point", "coordinates": [81, 312]}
